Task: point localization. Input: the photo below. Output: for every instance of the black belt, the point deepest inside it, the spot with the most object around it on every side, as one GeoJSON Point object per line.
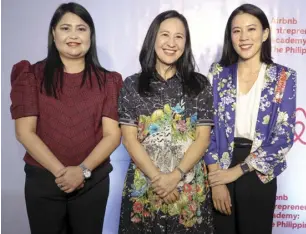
{"type": "Point", "coordinates": [240, 142]}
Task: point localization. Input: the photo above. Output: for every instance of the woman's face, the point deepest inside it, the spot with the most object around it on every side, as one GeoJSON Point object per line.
{"type": "Point", "coordinates": [170, 41]}
{"type": "Point", "coordinates": [72, 37]}
{"type": "Point", "coordinates": [247, 36]}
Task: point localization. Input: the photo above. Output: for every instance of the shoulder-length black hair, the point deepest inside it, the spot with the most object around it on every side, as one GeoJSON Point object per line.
{"type": "Point", "coordinates": [185, 65]}
{"type": "Point", "coordinates": [53, 70]}
{"type": "Point", "coordinates": [229, 55]}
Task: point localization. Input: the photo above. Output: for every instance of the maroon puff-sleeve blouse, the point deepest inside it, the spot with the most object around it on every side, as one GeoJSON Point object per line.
{"type": "Point", "coordinates": [71, 126]}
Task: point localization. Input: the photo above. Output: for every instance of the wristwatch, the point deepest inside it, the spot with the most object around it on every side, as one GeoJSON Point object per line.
{"type": "Point", "coordinates": [183, 174]}
{"type": "Point", "coordinates": [244, 167]}
{"type": "Point", "coordinates": [86, 171]}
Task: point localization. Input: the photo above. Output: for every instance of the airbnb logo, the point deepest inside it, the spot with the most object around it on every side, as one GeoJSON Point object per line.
{"type": "Point", "coordinates": [300, 125]}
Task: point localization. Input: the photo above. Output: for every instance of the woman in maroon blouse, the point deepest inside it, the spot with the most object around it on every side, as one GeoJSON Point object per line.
{"type": "Point", "coordinates": [65, 111]}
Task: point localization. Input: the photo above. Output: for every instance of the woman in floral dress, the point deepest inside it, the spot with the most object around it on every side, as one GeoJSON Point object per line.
{"type": "Point", "coordinates": [166, 117]}
{"type": "Point", "coordinates": [255, 101]}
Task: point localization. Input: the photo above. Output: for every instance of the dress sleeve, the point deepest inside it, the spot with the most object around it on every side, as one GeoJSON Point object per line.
{"type": "Point", "coordinates": [113, 85]}
{"type": "Point", "coordinates": [24, 92]}
{"type": "Point", "coordinates": [127, 108]}
{"type": "Point", "coordinates": [211, 156]}
{"type": "Point", "coordinates": [204, 105]}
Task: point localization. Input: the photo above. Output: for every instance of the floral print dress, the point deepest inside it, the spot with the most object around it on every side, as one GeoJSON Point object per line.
{"type": "Point", "coordinates": [166, 121]}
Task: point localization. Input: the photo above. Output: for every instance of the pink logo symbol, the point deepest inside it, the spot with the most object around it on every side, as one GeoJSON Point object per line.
{"type": "Point", "coordinates": [298, 135]}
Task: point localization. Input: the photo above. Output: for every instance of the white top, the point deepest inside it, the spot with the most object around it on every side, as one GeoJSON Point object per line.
{"type": "Point", "coordinates": [247, 106]}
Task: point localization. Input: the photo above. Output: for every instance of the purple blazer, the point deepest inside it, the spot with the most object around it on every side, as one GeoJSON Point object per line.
{"type": "Point", "coordinates": [275, 122]}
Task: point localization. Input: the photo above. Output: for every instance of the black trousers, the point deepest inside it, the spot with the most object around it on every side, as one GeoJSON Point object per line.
{"type": "Point", "coordinates": [51, 211]}
{"type": "Point", "coordinates": [253, 202]}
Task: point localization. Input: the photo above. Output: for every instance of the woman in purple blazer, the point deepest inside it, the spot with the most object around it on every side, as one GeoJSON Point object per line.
{"type": "Point", "coordinates": [255, 102]}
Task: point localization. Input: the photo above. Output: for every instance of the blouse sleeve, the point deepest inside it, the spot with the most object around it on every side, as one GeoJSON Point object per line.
{"type": "Point", "coordinates": [204, 105]}
{"type": "Point", "coordinates": [24, 92]}
{"type": "Point", "coordinates": [127, 109]}
{"type": "Point", "coordinates": [112, 88]}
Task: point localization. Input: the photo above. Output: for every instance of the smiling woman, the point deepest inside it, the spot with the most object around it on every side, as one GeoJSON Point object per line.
{"type": "Point", "coordinates": [255, 102]}
{"type": "Point", "coordinates": [71, 37]}
{"type": "Point", "coordinates": [170, 42]}
{"type": "Point", "coordinates": [65, 111]}
{"type": "Point", "coordinates": [166, 116]}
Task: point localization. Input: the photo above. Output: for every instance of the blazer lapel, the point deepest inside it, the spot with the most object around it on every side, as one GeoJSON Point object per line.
{"type": "Point", "coordinates": [266, 112]}
{"type": "Point", "coordinates": [229, 106]}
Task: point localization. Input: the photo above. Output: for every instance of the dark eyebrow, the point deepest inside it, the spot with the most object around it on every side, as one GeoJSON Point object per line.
{"type": "Point", "coordinates": [161, 31]}
{"type": "Point", "coordinates": [69, 25]}
{"type": "Point", "coordinates": [82, 25]}
{"type": "Point", "coordinates": [250, 25]}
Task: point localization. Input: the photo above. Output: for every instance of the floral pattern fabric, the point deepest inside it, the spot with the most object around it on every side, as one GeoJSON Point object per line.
{"type": "Point", "coordinates": [166, 122]}
{"type": "Point", "coordinates": [275, 124]}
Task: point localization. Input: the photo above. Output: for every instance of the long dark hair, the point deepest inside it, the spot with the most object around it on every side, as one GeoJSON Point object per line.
{"type": "Point", "coordinates": [185, 65]}
{"type": "Point", "coordinates": [229, 55]}
{"type": "Point", "coordinates": [53, 71]}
